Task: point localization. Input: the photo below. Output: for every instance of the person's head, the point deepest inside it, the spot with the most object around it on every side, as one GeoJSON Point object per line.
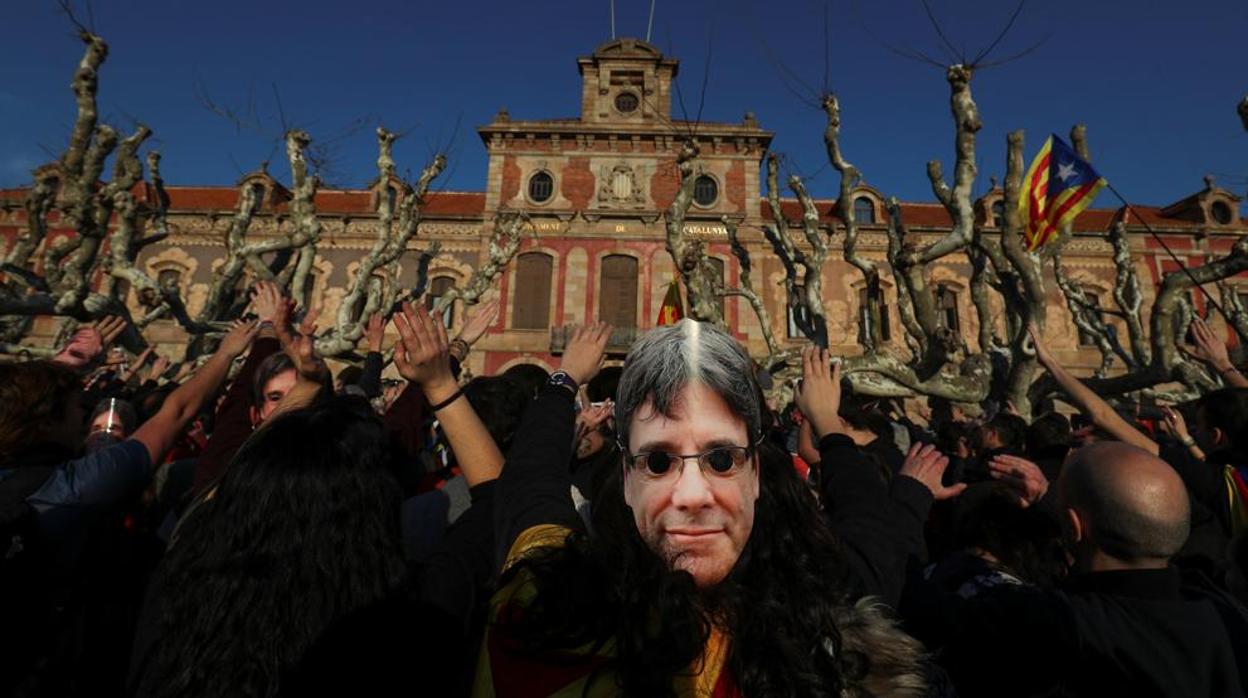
{"type": "Point", "coordinates": [688, 389]}
{"type": "Point", "coordinates": [865, 418]}
{"type": "Point", "coordinates": [275, 376]}
{"type": "Point", "coordinates": [500, 403]}
{"type": "Point", "coordinates": [1222, 416]}
{"type": "Point", "coordinates": [114, 417]}
{"type": "Point", "coordinates": [1024, 541]}
{"type": "Point", "coordinates": [349, 375]}
{"type": "Point", "coordinates": [302, 530]}
{"type": "Point", "coordinates": [1048, 436]}
{"type": "Point", "coordinates": [604, 385]}
{"type": "Point", "coordinates": [1122, 507]}
{"type": "Point", "coordinates": [530, 377]}
{"type": "Point", "coordinates": [1003, 432]}
{"type": "Point", "coordinates": [40, 402]}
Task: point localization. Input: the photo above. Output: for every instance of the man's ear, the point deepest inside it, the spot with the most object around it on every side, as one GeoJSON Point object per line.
{"type": "Point", "coordinates": [254, 415]}
{"type": "Point", "coordinates": [1074, 526]}
{"type": "Point", "coordinates": [1219, 436]}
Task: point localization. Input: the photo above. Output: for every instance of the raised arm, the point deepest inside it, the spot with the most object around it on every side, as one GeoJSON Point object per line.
{"type": "Point", "coordinates": [1212, 351]}
{"type": "Point", "coordinates": [534, 492]}
{"type": "Point", "coordinates": [158, 433]}
{"type": "Point", "coordinates": [1088, 402]}
{"type": "Point", "coordinates": [423, 357]}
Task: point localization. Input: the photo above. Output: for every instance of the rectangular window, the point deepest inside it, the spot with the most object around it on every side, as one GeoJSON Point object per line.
{"type": "Point", "coordinates": [531, 298]}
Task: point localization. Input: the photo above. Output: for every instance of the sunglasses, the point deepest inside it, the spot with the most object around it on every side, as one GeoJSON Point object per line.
{"type": "Point", "coordinates": [721, 461]}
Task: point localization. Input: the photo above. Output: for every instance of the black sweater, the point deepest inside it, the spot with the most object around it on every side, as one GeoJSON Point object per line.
{"type": "Point", "coordinates": [1126, 633]}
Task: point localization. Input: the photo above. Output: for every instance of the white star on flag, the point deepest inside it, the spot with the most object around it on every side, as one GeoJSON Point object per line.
{"type": "Point", "coordinates": [1067, 171]}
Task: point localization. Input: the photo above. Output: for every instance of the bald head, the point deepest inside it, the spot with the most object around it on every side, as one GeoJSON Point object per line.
{"type": "Point", "coordinates": [1133, 505]}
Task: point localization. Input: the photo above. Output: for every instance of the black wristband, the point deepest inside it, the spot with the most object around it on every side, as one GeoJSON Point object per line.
{"type": "Point", "coordinates": [458, 394]}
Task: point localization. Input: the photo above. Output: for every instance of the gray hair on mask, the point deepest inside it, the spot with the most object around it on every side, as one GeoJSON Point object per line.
{"type": "Point", "coordinates": [669, 358]}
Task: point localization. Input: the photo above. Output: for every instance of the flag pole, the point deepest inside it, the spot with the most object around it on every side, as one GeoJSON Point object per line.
{"type": "Point", "coordinates": [1131, 209]}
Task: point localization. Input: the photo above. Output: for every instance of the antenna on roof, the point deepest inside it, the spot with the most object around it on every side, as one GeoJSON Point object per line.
{"type": "Point", "coordinates": [612, 19]}
{"type": "Point", "coordinates": [650, 23]}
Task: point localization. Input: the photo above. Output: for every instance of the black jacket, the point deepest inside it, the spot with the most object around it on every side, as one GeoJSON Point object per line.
{"type": "Point", "coordinates": [1125, 633]}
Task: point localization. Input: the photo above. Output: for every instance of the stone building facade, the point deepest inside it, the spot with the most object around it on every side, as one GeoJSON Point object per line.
{"type": "Point", "coordinates": [596, 186]}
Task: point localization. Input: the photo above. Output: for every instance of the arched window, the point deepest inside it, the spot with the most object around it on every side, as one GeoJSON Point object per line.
{"type": "Point", "coordinates": [998, 214]}
{"type": "Point", "coordinates": [541, 187]}
{"type": "Point", "coordinates": [705, 190]}
{"type": "Point", "coordinates": [392, 196]}
{"type": "Point", "coordinates": [530, 305]}
{"type": "Point", "coordinates": [947, 308]}
{"type": "Point", "coordinates": [864, 315]}
{"type": "Point", "coordinates": [438, 288]}
{"type": "Point", "coordinates": [257, 191]}
{"type": "Point", "coordinates": [864, 210]}
{"type": "Point", "coordinates": [617, 291]}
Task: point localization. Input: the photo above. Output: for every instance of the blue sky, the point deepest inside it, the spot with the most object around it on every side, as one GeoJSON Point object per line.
{"type": "Point", "coordinates": [1155, 81]}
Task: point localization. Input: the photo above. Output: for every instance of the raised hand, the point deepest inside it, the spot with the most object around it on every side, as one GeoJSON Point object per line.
{"type": "Point", "coordinates": [1209, 348]}
{"type": "Point", "coordinates": [375, 332]}
{"type": "Point", "coordinates": [267, 300]}
{"type": "Point", "coordinates": [83, 347]}
{"type": "Point", "coordinates": [135, 365]}
{"type": "Point", "coordinates": [159, 366]}
{"type": "Point", "coordinates": [238, 338]}
{"type": "Point", "coordinates": [480, 321]}
{"type": "Point", "coordinates": [110, 327]}
{"type": "Point", "coordinates": [423, 354]}
{"type": "Point", "coordinates": [927, 465]}
{"type": "Point", "coordinates": [818, 395]}
{"type": "Point", "coordinates": [1022, 475]}
{"type": "Point", "coordinates": [582, 358]}
{"type": "Point", "coordinates": [1175, 425]}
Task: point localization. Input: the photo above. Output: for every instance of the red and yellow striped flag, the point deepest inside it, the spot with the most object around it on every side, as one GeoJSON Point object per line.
{"type": "Point", "coordinates": [1059, 184]}
{"type": "Point", "coordinates": [670, 313]}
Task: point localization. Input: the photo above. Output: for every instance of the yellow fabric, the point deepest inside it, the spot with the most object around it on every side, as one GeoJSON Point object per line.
{"type": "Point", "coordinates": [698, 683]}
{"type": "Point", "coordinates": [1239, 508]}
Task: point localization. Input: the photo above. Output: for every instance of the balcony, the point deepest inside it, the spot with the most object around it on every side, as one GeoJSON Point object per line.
{"type": "Point", "coordinates": [621, 340]}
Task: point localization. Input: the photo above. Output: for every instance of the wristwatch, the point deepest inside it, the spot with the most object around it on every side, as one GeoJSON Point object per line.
{"type": "Point", "coordinates": [563, 380]}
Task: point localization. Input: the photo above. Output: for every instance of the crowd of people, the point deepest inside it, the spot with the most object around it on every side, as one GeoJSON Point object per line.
{"type": "Point", "coordinates": [251, 525]}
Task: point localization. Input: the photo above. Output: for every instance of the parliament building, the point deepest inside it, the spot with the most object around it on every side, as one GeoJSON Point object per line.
{"type": "Point", "coordinates": [595, 187]}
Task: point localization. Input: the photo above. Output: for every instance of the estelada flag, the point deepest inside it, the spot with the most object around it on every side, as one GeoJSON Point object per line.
{"type": "Point", "coordinates": [1059, 184]}
{"type": "Point", "coordinates": [670, 313]}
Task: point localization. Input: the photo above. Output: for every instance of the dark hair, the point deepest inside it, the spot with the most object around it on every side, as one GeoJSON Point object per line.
{"type": "Point", "coordinates": [604, 385]}
{"type": "Point", "coordinates": [865, 414]}
{"type": "Point", "coordinates": [349, 375]}
{"type": "Point", "coordinates": [1010, 429]}
{"type": "Point", "coordinates": [780, 601]}
{"type": "Point", "coordinates": [272, 365]}
{"type": "Point", "coordinates": [302, 530]}
{"type": "Point", "coordinates": [1025, 542]}
{"type": "Point", "coordinates": [1048, 436]}
{"type": "Point", "coordinates": [1227, 409]}
{"type": "Point", "coordinates": [530, 377]}
{"type": "Point", "coordinates": [125, 411]}
{"type": "Point", "coordinates": [32, 394]}
{"type": "Point", "coordinates": [500, 403]}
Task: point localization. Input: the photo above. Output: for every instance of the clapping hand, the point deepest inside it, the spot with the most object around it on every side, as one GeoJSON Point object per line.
{"type": "Point", "coordinates": [1022, 475]}
{"type": "Point", "coordinates": [422, 355]}
{"type": "Point", "coordinates": [582, 358]}
{"type": "Point", "coordinates": [818, 395]}
{"type": "Point", "coordinates": [927, 465]}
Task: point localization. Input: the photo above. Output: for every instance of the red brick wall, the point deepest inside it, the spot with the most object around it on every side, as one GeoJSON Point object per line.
{"type": "Point", "coordinates": [577, 183]}
{"type": "Point", "coordinates": [511, 180]}
{"type": "Point", "coordinates": [664, 184]}
{"type": "Point", "coordinates": [734, 186]}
